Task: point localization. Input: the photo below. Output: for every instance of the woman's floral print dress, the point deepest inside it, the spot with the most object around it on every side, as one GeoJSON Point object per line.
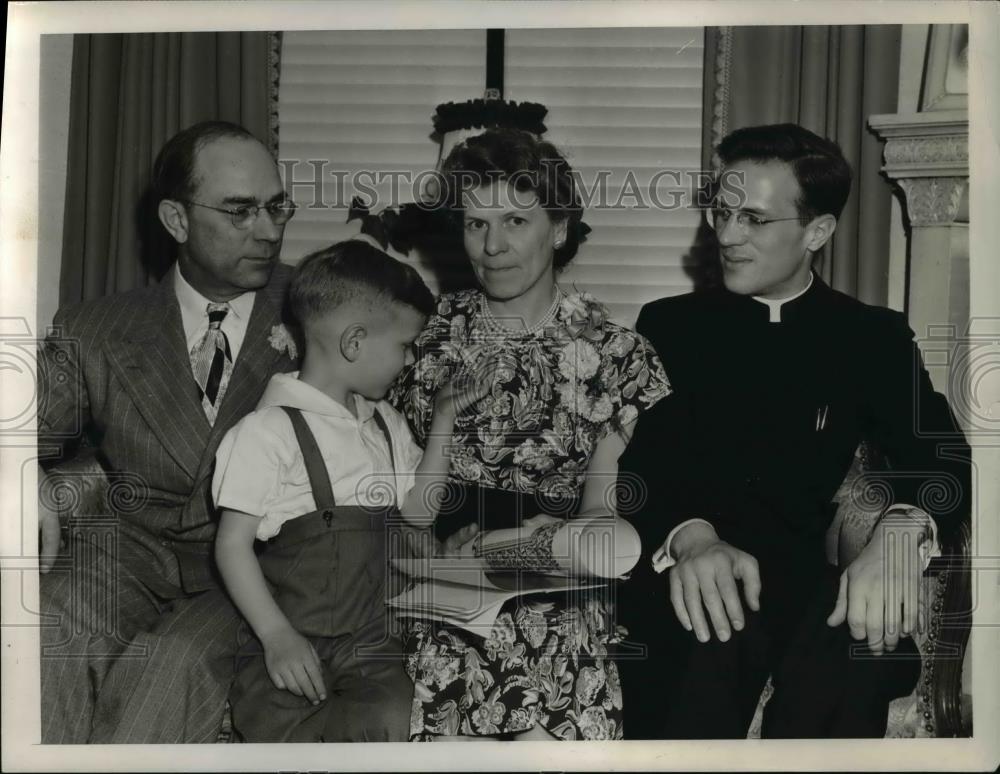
{"type": "Point", "coordinates": [558, 389]}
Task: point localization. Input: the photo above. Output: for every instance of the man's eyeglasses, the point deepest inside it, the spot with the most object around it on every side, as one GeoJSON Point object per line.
{"type": "Point", "coordinates": [245, 215]}
{"type": "Point", "coordinates": [719, 217]}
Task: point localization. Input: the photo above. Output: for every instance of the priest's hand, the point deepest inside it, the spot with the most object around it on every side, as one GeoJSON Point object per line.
{"type": "Point", "coordinates": [879, 590]}
{"type": "Point", "coordinates": [704, 579]}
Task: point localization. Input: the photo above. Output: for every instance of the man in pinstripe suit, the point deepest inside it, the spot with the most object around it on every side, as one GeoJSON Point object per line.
{"type": "Point", "coordinates": [137, 634]}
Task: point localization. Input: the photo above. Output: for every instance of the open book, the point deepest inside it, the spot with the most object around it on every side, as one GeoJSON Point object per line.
{"type": "Point", "coordinates": [562, 557]}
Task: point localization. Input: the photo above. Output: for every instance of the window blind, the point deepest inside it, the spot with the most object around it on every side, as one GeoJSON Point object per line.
{"type": "Point", "coordinates": [622, 101]}
{"type": "Point", "coordinates": [363, 101]}
{"type": "Point", "coordinates": [624, 104]}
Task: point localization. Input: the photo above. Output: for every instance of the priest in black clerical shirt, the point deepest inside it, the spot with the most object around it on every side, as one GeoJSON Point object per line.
{"type": "Point", "coordinates": [776, 381]}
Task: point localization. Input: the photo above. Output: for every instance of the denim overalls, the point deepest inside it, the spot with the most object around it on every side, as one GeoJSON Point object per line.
{"type": "Point", "coordinates": [327, 571]}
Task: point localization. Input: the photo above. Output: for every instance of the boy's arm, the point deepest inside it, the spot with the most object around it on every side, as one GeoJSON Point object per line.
{"type": "Point", "coordinates": [243, 577]}
{"type": "Point", "coordinates": [463, 391]}
{"type": "Point", "coordinates": [421, 504]}
{"type": "Point", "coordinates": [291, 661]}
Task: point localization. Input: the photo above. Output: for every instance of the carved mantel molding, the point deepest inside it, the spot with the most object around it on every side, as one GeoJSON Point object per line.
{"type": "Point", "coordinates": [927, 156]}
{"type": "Point", "coordinates": [933, 201]}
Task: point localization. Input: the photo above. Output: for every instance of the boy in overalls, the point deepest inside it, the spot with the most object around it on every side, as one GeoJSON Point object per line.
{"type": "Point", "coordinates": [313, 474]}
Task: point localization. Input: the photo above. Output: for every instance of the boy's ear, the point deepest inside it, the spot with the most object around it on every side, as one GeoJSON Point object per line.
{"type": "Point", "coordinates": [351, 340]}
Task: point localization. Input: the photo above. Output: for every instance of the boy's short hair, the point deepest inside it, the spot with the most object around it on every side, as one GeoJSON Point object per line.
{"type": "Point", "coordinates": [819, 166]}
{"type": "Point", "coordinates": [354, 272]}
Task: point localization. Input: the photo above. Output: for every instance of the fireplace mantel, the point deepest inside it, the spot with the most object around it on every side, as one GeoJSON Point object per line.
{"type": "Point", "coordinates": [927, 156]}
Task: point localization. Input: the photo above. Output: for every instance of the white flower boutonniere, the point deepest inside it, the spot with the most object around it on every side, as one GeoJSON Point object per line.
{"type": "Point", "coordinates": [283, 341]}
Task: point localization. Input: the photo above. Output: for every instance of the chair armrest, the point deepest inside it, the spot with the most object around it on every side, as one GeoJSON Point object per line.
{"type": "Point", "coordinates": [951, 622]}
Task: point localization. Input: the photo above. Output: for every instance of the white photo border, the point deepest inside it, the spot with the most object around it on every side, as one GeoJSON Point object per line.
{"type": "Point", "coordinates": [19, 226]}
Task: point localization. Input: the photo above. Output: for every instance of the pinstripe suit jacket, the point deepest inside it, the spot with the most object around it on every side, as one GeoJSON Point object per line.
{"type": "Point", "coordinates": [118, 369]}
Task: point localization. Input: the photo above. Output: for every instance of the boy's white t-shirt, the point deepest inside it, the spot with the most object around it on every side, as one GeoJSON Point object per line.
{"type": "Point", "coordinates": [260, 470]}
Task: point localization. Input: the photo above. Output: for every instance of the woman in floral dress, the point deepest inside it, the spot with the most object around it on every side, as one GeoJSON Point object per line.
{"type": "Point", "coordinates": [567, 387]}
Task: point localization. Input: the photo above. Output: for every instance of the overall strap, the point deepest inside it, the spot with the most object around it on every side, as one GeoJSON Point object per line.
{"type": "Point", "coordinates": [319, 478]}
{"type": "Point", "coordinates": [380, 421]}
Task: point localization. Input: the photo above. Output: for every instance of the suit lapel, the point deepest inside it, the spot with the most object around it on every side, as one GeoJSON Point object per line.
{"type": "Point", "coordinates": [154, 368]}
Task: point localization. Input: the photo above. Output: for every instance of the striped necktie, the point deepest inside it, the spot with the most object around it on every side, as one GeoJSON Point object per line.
{"type": "Point", "coordinates": [212, 362]}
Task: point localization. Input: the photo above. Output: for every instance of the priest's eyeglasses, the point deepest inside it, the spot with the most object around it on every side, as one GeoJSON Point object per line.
{"type": "Point", "coordinates": [245, 215]}
{"type": "Point", "coordinates": [719, 217]}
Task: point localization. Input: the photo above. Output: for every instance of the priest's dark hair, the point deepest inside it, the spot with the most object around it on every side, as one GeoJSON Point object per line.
{"type": "Point", "coordinates": [819, 165]}
{"type": "Point", "coordinates": [354, 272]}
{"type": "Point", "coordinates": [529, 164]}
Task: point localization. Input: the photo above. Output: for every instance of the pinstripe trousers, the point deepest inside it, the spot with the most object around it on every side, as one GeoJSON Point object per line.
{"type": "Point", "coordinates": [122, 664]}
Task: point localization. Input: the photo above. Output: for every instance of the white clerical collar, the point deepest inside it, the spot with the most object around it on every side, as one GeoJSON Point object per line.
{"type": "Point", "coordinates": [774, 304]}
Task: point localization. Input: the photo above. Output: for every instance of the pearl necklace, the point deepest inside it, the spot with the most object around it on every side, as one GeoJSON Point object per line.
{"type": "Point", "coordinates": [494, 324]}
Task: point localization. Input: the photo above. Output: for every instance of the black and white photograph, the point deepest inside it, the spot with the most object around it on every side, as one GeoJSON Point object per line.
{"type": "Point", "coordinates": [622, 378]}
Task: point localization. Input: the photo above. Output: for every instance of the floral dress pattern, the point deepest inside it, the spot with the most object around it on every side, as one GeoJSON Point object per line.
{"type": "Point", "coordinates": [557, 390]}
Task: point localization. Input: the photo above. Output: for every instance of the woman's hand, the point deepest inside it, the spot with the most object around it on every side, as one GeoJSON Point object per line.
{"type": "Point", "coordinates": [293, 665]}
{"type": "Point", "coordinates": [541, 520]}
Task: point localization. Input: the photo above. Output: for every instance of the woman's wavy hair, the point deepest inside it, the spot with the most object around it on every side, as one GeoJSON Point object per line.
{"type": "Point", "coordinates": [526, 162]}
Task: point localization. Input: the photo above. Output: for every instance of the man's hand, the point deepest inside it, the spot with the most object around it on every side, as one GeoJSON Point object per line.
{"type": "Point", "coordinates": [48, 525]}
{"type": "Point", "coordinates": [293, 665]}
{"type": "Point", "coordinates": [704, 578]}
{"type": "Point", "coordinates": [879, 589]}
